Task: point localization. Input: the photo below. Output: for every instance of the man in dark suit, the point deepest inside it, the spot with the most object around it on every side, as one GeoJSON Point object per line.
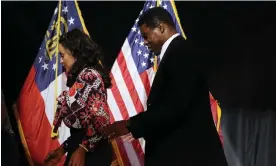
{"type": "Point", "coordinates": [177, 126]}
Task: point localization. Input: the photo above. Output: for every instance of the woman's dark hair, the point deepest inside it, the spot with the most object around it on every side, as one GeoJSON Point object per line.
{"type": "Point", "coordinates": [87, 54]}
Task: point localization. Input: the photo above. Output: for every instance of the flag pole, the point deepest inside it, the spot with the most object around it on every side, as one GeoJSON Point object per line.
{"type": "Point", "coordinates": [22, 136]}
{"type": "Point", "coordinates": [53, 134]}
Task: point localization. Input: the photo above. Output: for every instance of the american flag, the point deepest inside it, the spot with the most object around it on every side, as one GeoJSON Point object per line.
{"type": "Point", "coordinates": [46, 80]}
{"type": "Point", "coordinates": [132, 76]}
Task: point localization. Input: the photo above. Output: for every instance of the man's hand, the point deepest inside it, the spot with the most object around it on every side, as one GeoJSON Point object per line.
{"type": "Point", "coordinates": [115, 130]}
{"type": "Point", "coordinates": [54, 156]}
{"type": "Point", "coordinates": [78, 157]}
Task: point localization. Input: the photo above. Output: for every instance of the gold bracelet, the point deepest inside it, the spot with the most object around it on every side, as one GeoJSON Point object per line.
{"type": "Point", "coordinates": [83, 147]}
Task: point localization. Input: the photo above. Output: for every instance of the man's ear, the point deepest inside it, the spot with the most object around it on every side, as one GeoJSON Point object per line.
{"type": "Point", "coordinates": [161, 28]}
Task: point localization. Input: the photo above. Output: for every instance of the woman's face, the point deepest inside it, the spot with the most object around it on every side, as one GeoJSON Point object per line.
{"type": "Point", "coordinates": [67, 58]}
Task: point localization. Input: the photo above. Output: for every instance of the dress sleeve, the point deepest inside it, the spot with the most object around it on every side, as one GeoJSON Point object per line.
{"type": "Point", "coordinates": [61, 105]}
{"type": "Point", "coordinates": [95, 115]}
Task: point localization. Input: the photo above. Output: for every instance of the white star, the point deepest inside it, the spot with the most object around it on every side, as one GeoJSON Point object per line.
{"type": "Point", "coordinates": [56, 10]}
{"type": "Point", "coordinates": [54, 66]}
{"type": "Point", "coordinates": [137, 20]}
{"type": "Point", "coordinates": [65, 9]}
{"type": "Point", "coordinates": [146, 47]}
{"type": "Point", "coordinates": [165, 6]}
{"type": "Point", "coordinates": [40, 58]}
{"type": "Point", "coordinates": [144, 64]}
{"type": "Point", "coordinates": [141, 12]}
{"type": "Point", "coordinates": [71, 21]}
{"type": "Point", "coordinates": [139, 52]}
{"type": "Point", "coordinates": [133, 29]}
{"type": "Point", "coordinates": [152, 60]}
{"type": "Point", "coordinates": [141, 43]}
{"type": "Point", "coordinates": [45, 66]}
{"type": "Point", "coordinates": [146, 55]}
{"type": "Point", "coordinates": [151, 6]}
{"type": "Point", "coordinates": [139, 32]}
{"type": "Point", "coordinates": [136, 40]}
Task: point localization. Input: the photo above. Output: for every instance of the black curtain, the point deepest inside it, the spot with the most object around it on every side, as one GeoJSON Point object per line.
{"type": "Point", "coordinates": [249, 137]}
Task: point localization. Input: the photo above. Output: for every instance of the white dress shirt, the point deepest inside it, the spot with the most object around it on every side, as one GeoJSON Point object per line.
{"type": "Point", "coordinates": [166, 44]}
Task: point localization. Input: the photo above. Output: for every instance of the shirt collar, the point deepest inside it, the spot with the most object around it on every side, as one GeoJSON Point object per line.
{"type": "Point", "coordinates": [166, 44]}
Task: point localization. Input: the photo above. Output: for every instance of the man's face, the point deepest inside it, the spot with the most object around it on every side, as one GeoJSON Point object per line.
{"type": "Point", "coordinates": [152, 38]}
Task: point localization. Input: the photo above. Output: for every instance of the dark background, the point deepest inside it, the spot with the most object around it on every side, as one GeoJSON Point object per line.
{"type": "Point", "coordinates": [237, 41]}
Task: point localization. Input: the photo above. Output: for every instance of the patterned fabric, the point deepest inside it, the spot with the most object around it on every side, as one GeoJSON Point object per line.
{"type": "Point", "coordinates": [84, 106]}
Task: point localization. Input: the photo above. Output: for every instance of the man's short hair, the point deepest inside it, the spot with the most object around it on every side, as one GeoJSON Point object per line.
{"type": "Point", "coordinates": [154, 16]}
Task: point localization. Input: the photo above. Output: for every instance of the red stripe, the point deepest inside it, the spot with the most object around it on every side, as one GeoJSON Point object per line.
{"type": "Point", "coordinates": [129, 83]}
{"type": "Point", "coordinates": [118, 98]}
{"type": "Point", "coordinates": [35, 124]}
{"type": "Point", "coordinates": [145, 79]}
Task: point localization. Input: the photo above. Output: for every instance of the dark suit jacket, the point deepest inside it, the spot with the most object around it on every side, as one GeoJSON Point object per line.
{"type": "Point", "coordinates": [178, 126]}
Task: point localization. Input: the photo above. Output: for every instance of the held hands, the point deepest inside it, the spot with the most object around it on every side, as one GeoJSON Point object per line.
{"type": "Point", "coordinates": [116, 130]}
{"type": "Point", "coordinates": [54, 157]}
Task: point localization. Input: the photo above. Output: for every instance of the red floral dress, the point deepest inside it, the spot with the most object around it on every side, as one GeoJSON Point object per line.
{"type": "Point", "coordinates": [84, 106]}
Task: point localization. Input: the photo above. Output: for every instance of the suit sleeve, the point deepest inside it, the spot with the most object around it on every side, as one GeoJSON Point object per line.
{"type": "Point", "coordinates": [172, 108]}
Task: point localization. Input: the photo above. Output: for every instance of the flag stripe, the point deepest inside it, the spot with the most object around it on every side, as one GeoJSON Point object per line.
{"type": "Point", "coordinates": [115, 111]}
{"type": "Point", "coordinates": [130, 85]}
{"type": "Point", "coordinates": [145, 79]}
{"type": "Point", "coordinates": [131, 67]}
{"type": "Point", "coordinates": [119, 100]}
{"type": "Point", "coordinates": [122, 89]}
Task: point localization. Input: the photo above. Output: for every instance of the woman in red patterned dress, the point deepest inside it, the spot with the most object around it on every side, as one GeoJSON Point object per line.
{"type": "Point", "coordinates": [84, 107]}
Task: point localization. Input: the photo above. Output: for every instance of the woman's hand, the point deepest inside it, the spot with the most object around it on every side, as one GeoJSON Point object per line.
{"type": "Point", "coordinates": [54, 156]}
{"type": "Point", "coordinates": [78, 157]}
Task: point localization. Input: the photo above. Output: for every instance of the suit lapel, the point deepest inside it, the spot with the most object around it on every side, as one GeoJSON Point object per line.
{"type": "Point", "coordinates": [157, 82]}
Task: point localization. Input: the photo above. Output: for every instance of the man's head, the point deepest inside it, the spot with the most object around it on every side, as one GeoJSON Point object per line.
{"type": "Point", "coordinates": [156, 26]}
